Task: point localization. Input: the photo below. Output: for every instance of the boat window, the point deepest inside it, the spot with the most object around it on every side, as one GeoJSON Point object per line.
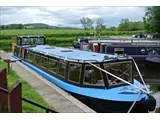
{"type": "Point", "coordinates": [61, 68]}
{"type": "Point", "coordinates": [37, 59]}
{"type": "Point", "coordinates": [18, 41]}
{"type": "Point", "coordinates": [52, 65]}
{"type": "Point", "coordinates": [74, 72]}
{"type": "Point", "coordinates": [30, 56]}
{"type": "Point", "coordinates": [119, 51]}
{"type": "Point", "coordinates": [25, 41]}
{"type": "Point", "coordinates": [120, 69]}
{"type": "Point", "coordinates": [44, 62]}
{"type": "Point", "coordinates": [17, 50]}
{"type": "Point", "coordinates": [93, 76]}
{"type": "Point", "coordinates": [31, 41]}
{"type": "Point", "coordinates": [39, 41]}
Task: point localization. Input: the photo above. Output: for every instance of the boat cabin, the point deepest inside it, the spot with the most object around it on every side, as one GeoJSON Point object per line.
{"type": "Point", "coordinates": [31, 40]}
{"type": "Point", "coordinates": [139, 49]}
{"type": "Point", "coordinates": [72, 65]}
{"type": "Point", "coordinates": [23, 42]}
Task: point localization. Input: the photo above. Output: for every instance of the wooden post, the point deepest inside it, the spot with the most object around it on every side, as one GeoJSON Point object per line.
{"type": "Point", "coordinates": [13, 46]}
{"type": "Point", "coordinates": [3, 91]}
{"type": "Point", "coordinates": [8, 64]}
{"type": "Point", "coordinates": [3, 78]}
{"type": "Point", "coordinates": [3, 100]}
{"type": "Point", "coordinates": [14, 99]}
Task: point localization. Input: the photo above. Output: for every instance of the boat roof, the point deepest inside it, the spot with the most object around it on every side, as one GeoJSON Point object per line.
{"type": "Point", "coordinates": [70, 54]}
{"type": "Point", "coordinates": [30, 36]}
{"type": "Point", "coordinates": [127, 41]}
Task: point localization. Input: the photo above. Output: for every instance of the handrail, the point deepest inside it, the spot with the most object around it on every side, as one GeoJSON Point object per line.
{"type": "Point", "coordinates": [4, 90]}
{"type": "Point", "coordinates": [38, 105]}
{"type": "Point", "coordinates": [31, 102]}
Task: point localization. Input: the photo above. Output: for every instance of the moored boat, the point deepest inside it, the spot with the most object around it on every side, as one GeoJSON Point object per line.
{"type": "Point", "coordinates": [104, 82]}
{"type": "Point", "coordinates": [140, 49]}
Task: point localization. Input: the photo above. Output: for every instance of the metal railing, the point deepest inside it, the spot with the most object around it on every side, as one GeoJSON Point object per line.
{"type": "Point", "coordinates": [48, 110]}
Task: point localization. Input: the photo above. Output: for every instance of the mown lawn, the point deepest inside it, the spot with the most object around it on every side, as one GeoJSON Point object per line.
{"type": "Point", "coordinates": [27, 92]}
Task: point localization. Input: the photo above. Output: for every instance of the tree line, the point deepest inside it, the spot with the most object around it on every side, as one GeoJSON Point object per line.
{"type": "Point", "coordinates": [98, 25]}
{"type": "Point", "coordinates": [150, 23]}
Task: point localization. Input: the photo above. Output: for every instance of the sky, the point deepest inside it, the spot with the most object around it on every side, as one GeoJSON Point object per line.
{"type": "Point", "coordinates": [68, 16]}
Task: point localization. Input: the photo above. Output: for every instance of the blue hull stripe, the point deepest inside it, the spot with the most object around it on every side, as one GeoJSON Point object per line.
{"type": "Point", "coordinates": [115, 94]}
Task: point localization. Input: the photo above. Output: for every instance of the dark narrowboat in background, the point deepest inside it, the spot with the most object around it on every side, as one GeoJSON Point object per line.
{"type": "Point", "coordinates": [140, 49]}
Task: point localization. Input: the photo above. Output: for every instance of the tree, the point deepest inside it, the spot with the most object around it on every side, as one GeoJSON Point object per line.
{"type": "Point", "coordinates": [113, 28]}
{"type": "Point", "coordinates": [123, 26]}
{"type": "Point", "coordinates": [152, 19]}
{"type": "Point", "coordinates": [87, 22]}
{"type": "Point", "coordinates": [126, 25]}
{"type": "Point", "coordinates": [99, 25]}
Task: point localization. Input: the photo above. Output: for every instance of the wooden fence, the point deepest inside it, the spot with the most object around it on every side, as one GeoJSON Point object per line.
{"type": "Point", "coordinates": [10, 98]}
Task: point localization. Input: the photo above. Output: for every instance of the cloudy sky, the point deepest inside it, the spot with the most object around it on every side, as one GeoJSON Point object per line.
{"type": "Point", "coordinates": [68, 16]}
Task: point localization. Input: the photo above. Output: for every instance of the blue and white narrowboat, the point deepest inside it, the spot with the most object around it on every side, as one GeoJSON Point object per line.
{"type": "Point", "coordinates": [104, 82]}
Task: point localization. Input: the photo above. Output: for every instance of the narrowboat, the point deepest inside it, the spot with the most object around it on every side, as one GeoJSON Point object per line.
{"type": "Point", "coordinates": [141, 49]}
{"type": "Point", "coordinates": [104, 82]}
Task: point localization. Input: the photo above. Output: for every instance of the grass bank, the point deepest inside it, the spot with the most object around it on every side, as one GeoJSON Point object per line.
{"type": "Point", "coordinates": [27, 92]}
{"type": "Point", "coordinates": [59, 37]}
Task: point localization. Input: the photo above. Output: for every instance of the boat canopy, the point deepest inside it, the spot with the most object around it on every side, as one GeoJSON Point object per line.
{"type": "Point", "coordinates": [75, 55]}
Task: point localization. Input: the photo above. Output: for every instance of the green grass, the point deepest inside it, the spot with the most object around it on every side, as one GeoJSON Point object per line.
{"type": "Point", "coordinates": [58, 37]}
{"type": "Point", "coordinates": [27, 92]}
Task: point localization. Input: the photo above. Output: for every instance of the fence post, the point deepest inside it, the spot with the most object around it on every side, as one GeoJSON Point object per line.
{"type": "Point", "coordinates": [3, 78]}
{"type": "Point", "coordinates": [8, 64]}
{"type": "Point", "coordinates": [14, 99]}
{"type": "Point", "coordinates": [3, 91]}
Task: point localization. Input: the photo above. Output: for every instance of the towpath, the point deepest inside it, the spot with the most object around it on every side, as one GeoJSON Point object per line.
{"type": "Point", "coordinates": [54, 96]}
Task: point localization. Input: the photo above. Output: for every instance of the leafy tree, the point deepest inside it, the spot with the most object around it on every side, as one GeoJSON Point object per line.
{"type": "Point", "coordinates": [123, 26]}
{"type": "Point", "coordinates": [99, 25]}
{"type": "Point", "coordinates": [113, 28]}
{"type": "Point", "coordinates": [152, 19]}
{"type": "Point", "coordinates": [87, 22]}
{"type": "Point", "coordinates": [126, 25]}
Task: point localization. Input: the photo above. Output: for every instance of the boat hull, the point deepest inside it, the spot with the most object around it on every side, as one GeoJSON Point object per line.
{"type": "Point", "coordinates": [104, 105]}
{"type": "Point", "coordinates": [109, 106]}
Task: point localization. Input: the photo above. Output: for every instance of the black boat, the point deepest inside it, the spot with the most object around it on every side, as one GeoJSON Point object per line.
{"type": "Point", "coordinates": [140, 49]}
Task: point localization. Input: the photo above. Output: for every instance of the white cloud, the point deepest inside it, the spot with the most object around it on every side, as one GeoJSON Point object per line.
{"type": "Point", "coordinates": [68, 16]}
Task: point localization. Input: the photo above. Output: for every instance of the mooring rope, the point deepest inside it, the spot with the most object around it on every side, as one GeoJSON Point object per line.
{"type": "Point", "coordinates": [140, 76]}
{"type": "Point", "coordinates": [117, 77]}
{"type": "Point", "coordinates": [133, 104]}
{"type": "Point", "coordinates": [130, 109]}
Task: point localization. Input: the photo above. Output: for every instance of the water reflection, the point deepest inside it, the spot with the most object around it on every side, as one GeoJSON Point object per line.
{"type": "Point", "coordinates": [150, 72]}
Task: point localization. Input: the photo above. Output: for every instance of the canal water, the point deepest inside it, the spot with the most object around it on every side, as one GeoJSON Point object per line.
{"type": "Point", "coordinates": [151, 74]}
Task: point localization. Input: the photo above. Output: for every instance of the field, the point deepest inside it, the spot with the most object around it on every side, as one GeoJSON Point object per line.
{"type": "Point", "coordinates": [59, 37]}
{"type": "Point", "coordinates": [27, 92]}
